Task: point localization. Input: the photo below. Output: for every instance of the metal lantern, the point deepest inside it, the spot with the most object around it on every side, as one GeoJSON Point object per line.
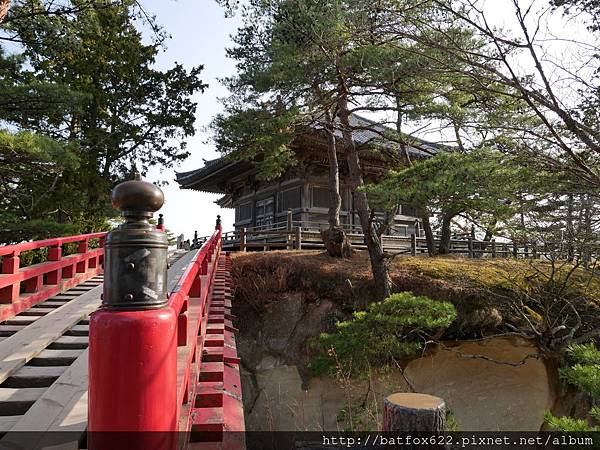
{"type": "Point", "coordinates": [136, 252]}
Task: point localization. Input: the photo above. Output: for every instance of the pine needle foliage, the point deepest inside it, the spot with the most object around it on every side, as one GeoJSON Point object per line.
{"type": "Point", "coordinates": [584, 353]}
{"type": "Point", "coordinates": [567, 423]}
{"type": "Point", "coordinates": [384, 334]}
{"type": "Point", "coordinates": [585, 375]}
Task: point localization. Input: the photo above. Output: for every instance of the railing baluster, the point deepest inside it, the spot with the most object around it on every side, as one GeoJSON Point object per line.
{"type": "Point", "coordinates": [243, 240]}
{"type": "Point", "coordinates": [182, 323]}
{"type": "Point", "coordinates": [82, 248]}
{"type": "Point", "coordinates": [299, 238]}
{"type": "Point", "coordinates": [54, 277]}
{"type": "Point", "coordinates": [10, 266]}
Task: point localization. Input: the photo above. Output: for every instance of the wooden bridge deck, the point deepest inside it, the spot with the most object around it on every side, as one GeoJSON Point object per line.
{"type": "Point", "coordinates": [44, 361]}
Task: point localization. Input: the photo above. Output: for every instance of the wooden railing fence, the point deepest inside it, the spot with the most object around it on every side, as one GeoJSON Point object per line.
{"type": "Point", "coordinates": [294, 235]}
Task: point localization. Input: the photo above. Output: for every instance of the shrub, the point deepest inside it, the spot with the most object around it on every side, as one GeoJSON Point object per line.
{"type": "Point", "coordinates": [584, 353]}
{"type": "Point", "coordinates": [387, 332]}
{"type": "Point", "coordinates": [585, 374]}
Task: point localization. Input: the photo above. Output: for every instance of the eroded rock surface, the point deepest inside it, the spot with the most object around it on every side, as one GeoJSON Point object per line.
{"type": "Point", "coordinates": [484, 384]}
{"type": "Point", "coordinates": [278, 401]}
{"type": "Point", "coordinates": [282, 404]}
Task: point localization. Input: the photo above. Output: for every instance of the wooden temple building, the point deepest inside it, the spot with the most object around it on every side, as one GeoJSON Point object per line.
{"type": "Point", "coordinates": [303, 188]}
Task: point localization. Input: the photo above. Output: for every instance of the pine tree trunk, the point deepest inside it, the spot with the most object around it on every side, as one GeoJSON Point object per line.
{"type": "Point", "coordinates": [429, 239]}
{"type": "Point", "coordinates": [444, 247]}
{"type": "Point", "coordinates": [570, 230]}
{"type": "Point", "coordinates": [379, 268]}
{"type": "Point", "coordinates": [335, 240]}
{"type": "Point", "coordinates": [488, 233]}
{"type": "Point", "coordinates": [414, 413]}
{"type": "Point", "coordinates": [4, 6]}
{"type": "Point", "coordinates": [586, 254]}
{"type": "Point", "coordinates": [335, 201]}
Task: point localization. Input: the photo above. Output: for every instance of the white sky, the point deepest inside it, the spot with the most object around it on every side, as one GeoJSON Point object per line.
{"type": "Point", "coordinates": [200, 34]}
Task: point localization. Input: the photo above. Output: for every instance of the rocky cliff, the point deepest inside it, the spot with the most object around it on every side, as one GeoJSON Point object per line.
{"type": "Point", "coordinates": [283, 299]}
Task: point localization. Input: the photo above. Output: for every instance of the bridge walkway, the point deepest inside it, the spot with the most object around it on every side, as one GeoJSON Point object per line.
{"type": "Point", "coordinates": [44, 365]}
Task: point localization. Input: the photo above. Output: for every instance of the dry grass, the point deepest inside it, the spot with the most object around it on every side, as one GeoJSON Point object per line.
{"type": "Point", "coordinates": [481, 289]}
{"type": "Point", "coordinates": [493, 274]}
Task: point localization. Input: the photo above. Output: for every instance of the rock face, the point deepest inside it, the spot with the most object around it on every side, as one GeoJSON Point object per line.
{"type": "Point", "coordinates": [279, 337]}
{"type": "Point", "coordinates": [282, 404]}
{"type": "Point", "coordinates": [487, 395]}
{"type": "Point", "coordinates": [280, 306]}
{"type": "Point", "coordinates": [278, 392]}
{"type": "Point", "coordinates": [278, 400]}
{"type": "Point", "coordinates": [483, 395]}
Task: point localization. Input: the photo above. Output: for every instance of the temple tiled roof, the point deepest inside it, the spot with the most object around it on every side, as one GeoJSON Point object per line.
{"type": "Point", "coordinates": [206, 178]}
{"type": "Point", "coordinates": [374, 132]}
{"type": "Point", "coordinates": [187, 179]}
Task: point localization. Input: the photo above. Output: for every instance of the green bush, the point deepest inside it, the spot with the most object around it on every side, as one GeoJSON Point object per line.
{"type": "Point", "coordinates": [30, 257]}
{"type": "Point", "coordinates": [70, 248]}
{"type": "Point", "coordinates": [567, 423]}
{"type": "Point", "coordinates": [584, 353]}
{"type": "Point", "coordinates": [585, 374]}
{"type": "Point", "coordinates": [387, 332]}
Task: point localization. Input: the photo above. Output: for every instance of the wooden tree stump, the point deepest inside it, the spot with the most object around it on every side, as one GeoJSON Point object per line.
{"type": "Point", "coordinates": [336, 243]}
{"type": "Point", "coordinates": [414, 413]}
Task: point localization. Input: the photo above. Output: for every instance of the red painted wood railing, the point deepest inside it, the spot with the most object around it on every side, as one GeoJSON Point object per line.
{"type": "Point", "coordinates": [147, 366]}
{"type": "Point", "coordinates": [23, 287]}
{"type": "Point", "coordinates": [209, 394]}
{"type": "Point", "coordinates": [189, 300]}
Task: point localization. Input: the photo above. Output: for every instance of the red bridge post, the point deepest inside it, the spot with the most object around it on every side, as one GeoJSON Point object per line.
{"type": "Point", "coordinates": [161, 223]}
{"type": "Point", "coordinates": [133, 337]}
{"type": "Point", "coordinates": [10, 265]}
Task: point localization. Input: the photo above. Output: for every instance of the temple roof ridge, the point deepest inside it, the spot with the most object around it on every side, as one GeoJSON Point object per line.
{"type": "Point", "coordinates": [373, 132]}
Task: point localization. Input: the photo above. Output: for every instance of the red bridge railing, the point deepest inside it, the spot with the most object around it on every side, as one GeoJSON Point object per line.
{"type": "Point", "coordinates": [189, 300]}
{"type": "Point", "coordinates": [148, 351]}
{"type": "Point", "coordinates": [23, 287]}
{"type": "Point", "coordinates": [162, 365]}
